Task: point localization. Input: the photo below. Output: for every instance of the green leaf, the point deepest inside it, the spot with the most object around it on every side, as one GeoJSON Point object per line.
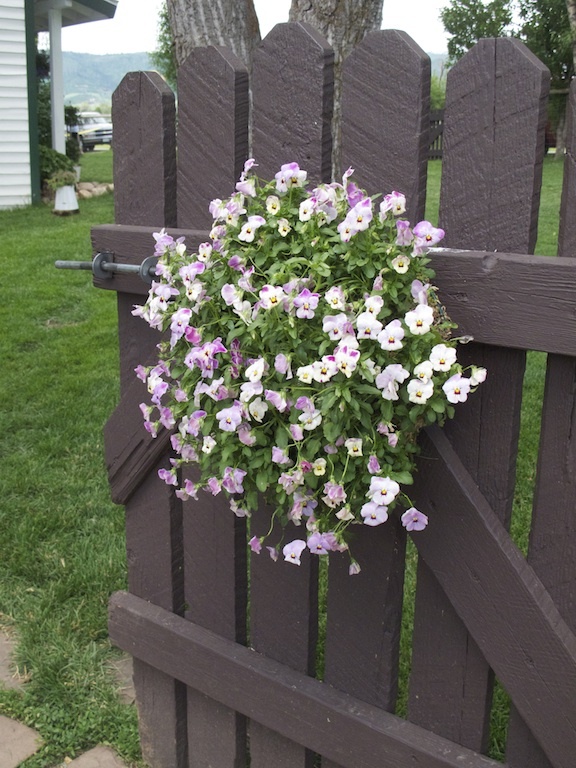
{"type": "Point", "coordinates": [404, 478]}
{"type": "Point", "coordinates": [262, 480]}
{"type": "Point", "coordinates": [281, 437]}
{"type": "Point", "coordinates": [331, 431]}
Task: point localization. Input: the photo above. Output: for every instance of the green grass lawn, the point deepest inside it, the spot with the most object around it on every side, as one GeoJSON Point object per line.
{"type": "Point", "coordinates": [97, 165]}
{"type": "Point", "coordinates": [62, 543]}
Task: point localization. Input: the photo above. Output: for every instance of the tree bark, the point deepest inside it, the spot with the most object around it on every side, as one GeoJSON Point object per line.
{"type": "Point", "coordinates": [571, 7]}
{"type": "Point", "coordinates": [344, 23]}
{"type": "Point", "coordinates": [214, 22]}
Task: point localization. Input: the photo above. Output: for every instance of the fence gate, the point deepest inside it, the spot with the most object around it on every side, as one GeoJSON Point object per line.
{"type": "Point", "coordinates": [206, 688]}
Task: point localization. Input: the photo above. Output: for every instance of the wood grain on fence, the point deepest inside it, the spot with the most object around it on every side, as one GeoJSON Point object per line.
{"type": "Point", "coordinates": [292, 98]}
{"type": "Point", "coordinates": [479, 605]}
{"type": "Point", "coordinates": [145, 183]}
{"type": "Point", "coordinates": [385, 117]}
{"type": "Point", "coordinates": [212, 149]}
{"type": "Point", "coordinates": [552, 549]}
{"type": "Point", "coordinates": [487, 127]}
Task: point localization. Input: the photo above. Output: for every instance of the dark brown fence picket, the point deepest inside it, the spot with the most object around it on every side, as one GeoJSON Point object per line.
{"type": "Point", "coordinates": [384, 145]}
{"type": "Point", "coordinates": [291, 123]}
{"type": "Point", "coordinates": [145, 182]}
{"type": "Point", "coordinates": [491, 175]}
{"type": "Point", "coordinates": [553, 531]}
{"type": "Point", "coordinates": [212, 131]}
{"type": "Point", "coordinates": [212, 148]}
{"type": "Point", "coordinates": [385, 116]}
{"type": "Point", "coordinates": [292, 113]}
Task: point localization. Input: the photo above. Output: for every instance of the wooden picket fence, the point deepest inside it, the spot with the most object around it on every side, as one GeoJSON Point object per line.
{"type": "Point", "coordinates": [436, 137]}
{"type": "Point", "coordinates": [210, 691]}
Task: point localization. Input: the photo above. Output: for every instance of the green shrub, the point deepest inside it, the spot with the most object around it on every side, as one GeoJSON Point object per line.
{"type": "Point", "coordinates": [61, 179]}
{"type": "Point", "coordinates": [51, 162]}
{"type": "Point", "coordinates": [73, 149]}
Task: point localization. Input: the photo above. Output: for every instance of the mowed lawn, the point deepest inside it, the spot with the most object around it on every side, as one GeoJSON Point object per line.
{"type": "Point", "coordinates": [62, 540]}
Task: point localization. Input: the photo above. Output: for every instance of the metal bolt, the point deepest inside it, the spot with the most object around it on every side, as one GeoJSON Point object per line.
{"type": "Point", "coordinates": [104, 267]}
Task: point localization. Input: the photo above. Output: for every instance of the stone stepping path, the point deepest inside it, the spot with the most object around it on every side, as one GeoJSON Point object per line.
{"type": "Point", "coordinates": [9, 676]}
{"type": "Point", "coordinates": [19, 742]}
{"type": "Point", "coordinates": [99, 757]}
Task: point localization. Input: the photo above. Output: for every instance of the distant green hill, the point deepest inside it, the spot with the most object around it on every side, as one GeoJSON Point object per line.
{"type": "Point", "coordinates": [91, 78]}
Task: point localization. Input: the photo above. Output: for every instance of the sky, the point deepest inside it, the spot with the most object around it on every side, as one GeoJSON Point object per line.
{"type": "Point", "coordinates": [134, 26]}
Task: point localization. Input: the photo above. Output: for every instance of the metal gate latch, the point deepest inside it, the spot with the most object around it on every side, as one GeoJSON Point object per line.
{"type": "Point", "coordinates": [104, 267]}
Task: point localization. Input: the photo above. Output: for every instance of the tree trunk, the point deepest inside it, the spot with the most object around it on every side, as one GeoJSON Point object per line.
{"type": "Point", "coordinates": [571, 7]}
{"type": "Point", "coordinates": [561, 130]}
{"type": "Point", "coordinates": [214, 22]}
{"type": "Point", "coordinates": [344, 23]}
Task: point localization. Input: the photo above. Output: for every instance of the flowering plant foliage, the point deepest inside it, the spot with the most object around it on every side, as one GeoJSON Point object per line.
{"type": "Point", "coordinates": [307, 348]}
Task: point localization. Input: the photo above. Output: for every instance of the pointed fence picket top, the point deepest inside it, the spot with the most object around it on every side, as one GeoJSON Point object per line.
{"type": "Point", "coordinates": [212, 131]}
{"type": "Point", "coordinates": [553, 533]}
{"type": "Point", "coordinates": [494, 148]}
{"type": "Point", "coordinates": [292, 101]}
{"type": "Point", "coordinates": [385, 130]}
{"type": "Point", "coordinates": [489, 200]}
{"type": "Point", "coordinates": [144, 113]}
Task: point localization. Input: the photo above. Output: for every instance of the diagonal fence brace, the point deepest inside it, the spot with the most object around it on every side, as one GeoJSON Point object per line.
{"type": "Point", "coordinates": [104, 267]}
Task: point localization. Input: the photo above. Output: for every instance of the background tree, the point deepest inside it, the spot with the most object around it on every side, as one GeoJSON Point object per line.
{"type": "Point", "coordinates": [344, 25]}
{"type": "Point", "coordinates": [544, 25]}
{"type": "Point", "coordinates": [467, 21]}
{"type": "Point", "coordinates": [164, 57]}
{"type": "Point", "coordinates": [545, 28]}
{"type": "Point", "coordinates": [571, 8]}
{"type": "Point", "coordinates": [213, 22]}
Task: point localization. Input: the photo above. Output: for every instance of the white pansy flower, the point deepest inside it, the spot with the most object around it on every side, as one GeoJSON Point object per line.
{"type": "Point", "coordinates": [374, 304]}
{"type": "Point", "coordinates": [258, 409]}
{"type": "Point", "coordinates": [335, 297]}
{"type": "Point", "coordinates": [367, 326]}
{"type": "Point", "coordinates": [442, 357]}
{"type": "Point", "coordinates": [319, 467]}
{"type": "Point", "coordinates": [401, 264]}
{"type": "Point", "coordinates": [354, 446]}
{"type": "Point", "coordinates": [255, 371]}
{"type": "Point", "coordinates": [477, 376]}
{"type": "Point", "coordinates": [305, 373]}
{"type": "Point", "coordinates": [208, 444]}
{"type": "Point", "coordinates": [420, 391]}
{"type": "Point", "coordinates": [424, 371]}
{"type": "Point", "coordinates": [419, 320]}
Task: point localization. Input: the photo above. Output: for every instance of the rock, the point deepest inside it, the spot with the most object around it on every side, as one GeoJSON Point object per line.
{"type": "Point", "coordinates": [18, 742]}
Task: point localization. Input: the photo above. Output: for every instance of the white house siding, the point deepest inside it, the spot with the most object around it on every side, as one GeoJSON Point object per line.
{"type": "Point", "coordinates": [15, 175]}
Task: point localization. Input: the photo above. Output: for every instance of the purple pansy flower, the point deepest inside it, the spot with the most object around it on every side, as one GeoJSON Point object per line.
{"type": "Point", "coordinates": [293, 551]}
{"type": "Point", "coordinates": [232, 480]}
{"type": "Point", "coordinates": [414, 520]}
